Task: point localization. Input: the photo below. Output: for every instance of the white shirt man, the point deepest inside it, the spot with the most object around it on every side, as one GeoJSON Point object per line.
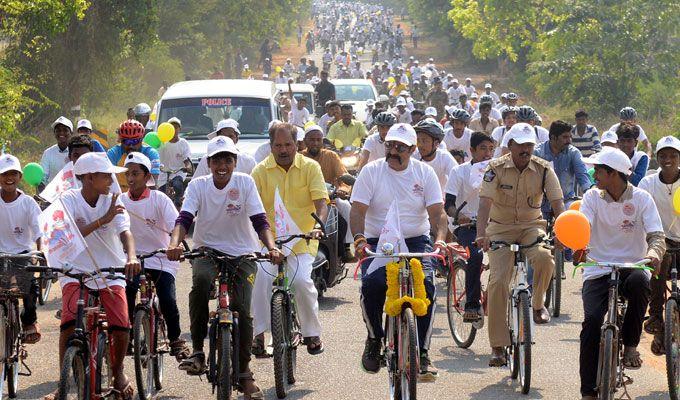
{"type": "Point", "coordinates": [454, 91]}
{"type": "Point", "coordinates": [442, 164]}
{"type": "Point", "coordinates": [172, 156]}
{"type": "Point", "coordinates": [297, 116]}
{"type": "Point", "coordinates": [458, 143]}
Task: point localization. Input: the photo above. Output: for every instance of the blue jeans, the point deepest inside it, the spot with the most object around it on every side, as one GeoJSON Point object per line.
{"type": "Point", "coordinates": [165, 289]}
{"type": "Point", "coordinates": [473, 270]}
{"type": "Point", "coordinates": [374, 287]}
{"type": "Point", "coordinates": [177, 183]}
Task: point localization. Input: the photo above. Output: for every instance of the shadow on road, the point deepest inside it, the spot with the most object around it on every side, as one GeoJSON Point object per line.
{"type": "Point", "coordinates": [331, 303]}
{"type": "Point", "coordinates": [293, 393]}
{"type": "Point", "coordinates": [507, 388]}
{"type": "Point", "coordinates": [37, 391]}
{"type": "Point", "coordinates": [654, 395]}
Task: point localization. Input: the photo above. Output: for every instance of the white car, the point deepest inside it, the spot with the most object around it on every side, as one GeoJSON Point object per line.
{"type": "Point", "coordinates": [355, 92]}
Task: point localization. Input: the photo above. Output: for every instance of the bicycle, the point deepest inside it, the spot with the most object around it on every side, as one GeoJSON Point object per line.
{"type": "Point", "coordinates": [400, 344]}
{"type": "Point", "coordinates": [519, 317]}
{"type": "Point", "coordinates": [223, 331]}
{"type": "Point", "coordinates": [672, 329]}
{"type": "Point", "coordinates": [44, 288]}
{"type": "Point", "coordinates": [12, 351]}
{"type": "Point", "coordinates": [610, 369]}
{"type": "Point", "coordinates": [86, 371]}
{"type": "Point", "coordinates": [169, 190]}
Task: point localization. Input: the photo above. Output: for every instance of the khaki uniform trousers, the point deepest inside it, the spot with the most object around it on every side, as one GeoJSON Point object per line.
{"type": "Point", "coordinates": [501, 272]}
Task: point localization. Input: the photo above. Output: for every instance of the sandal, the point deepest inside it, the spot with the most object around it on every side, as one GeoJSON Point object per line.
{"type": "Point", "coordinates": [194, 365]}
{"type": "Point", "coordinates": [31, 334]}
{"type": "Point", "coordinates": [631, 359]}
{"type": "Point", "coordinates": [471, 316]}
{"type": "Point", "coordinates": [314, 345]}
{"type": "Point", "coordinates": [258, 394]}
{"type": "Point", "coordinates": [658, 348]}
{"type": "Point", "coordinates": [179, 349]}
{"type": "Point", "coordinates": [258, 348]}
{"type": "Point", "coordinates": [127, 393]}
{"type": "Point", "coordinates": [654, 325]}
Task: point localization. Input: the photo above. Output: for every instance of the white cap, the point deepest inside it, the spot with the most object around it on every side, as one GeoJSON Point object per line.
{"type": "Point", "coordinates": [9, 163]}
{"type": "Point", "coordinates": [313, 127]}
{"type": "Point", "coordinates": [431, 111]}
{"type": "Point", "coordinates": [83, 123]}
{"type": "Point", "coordinates": [370, 102]}
{"type": "Point", "coordinates": [400, 101]}
{"type": "Point", "coordinates": [175, 120]}
{"type": "Point", "coordinates": [613, 158]}
{"type": "Point", "coordinates": [403, 133]}
{"type": "Point", "coordinates": [609, 137]}
{"type": "Point", "coordinates": [221, 144]}
{"type": "Point", "coordinates": [473, 95]}
{"type": "Point", "coordinates": [487, 86]}
{"type": "Point", "coordinates": [454, 80]}
{"type": "Point", "coordinates": [300, 134]}
{"type": "Point", "coordinates": [668, 141]}
{"type": "Point", "coordinates": [404, 93]}
{"type": "Point", "coordinates": [94, 162]}
{"type": "Point", "coordinates": [225, 123]}
{"type": "Point", "coordinates": [504, 95]}
{"type": "Point", "coordinates": [64, 121]}
{"type": "Point", "coordinates": [468, 79]}
{"type": "Point", "coordinates": [521, 133]}
{"type": "Point", "coordinates": [274, 121]}
{"type": "Point", "coordinates": [138, 158]}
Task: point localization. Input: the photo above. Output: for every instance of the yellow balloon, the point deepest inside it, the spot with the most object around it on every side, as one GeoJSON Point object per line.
{"type": "Point", "coordinates": [676, 201]}
{"type": "Point", "coordinates": [152, 117]}
{"type": "Point", "coordinates": [277, 69]}
{"type": "Point", "coordinates": [390, 79]}
{"type": "Point", "coordinates": [166, 132]}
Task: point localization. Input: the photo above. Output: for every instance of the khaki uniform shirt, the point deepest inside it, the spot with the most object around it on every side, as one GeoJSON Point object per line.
{"type": "Point", "coordinates": [517, 195]}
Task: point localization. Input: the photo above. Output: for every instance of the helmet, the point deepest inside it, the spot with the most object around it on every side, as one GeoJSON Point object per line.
{"type": "Point", "coordinates": [385, 119]}
{"type": "Point", "coordinates": [526, 113]}
{"type": "Point", "coordinates": [507, 110]}
{"type": "Point", "coordinates": [513, 96]}
{"type": "Point", "coordinates": [459, 114]}
{"type": "Point", "coordinates": [131, 129]}
{"type": "Point", "coordinates": [431, 127]}
{"type": "Point", "coordinates": [628, 113]}
{"type": "Point", "coordinates": [142, 109]}
{"type": "Point", "coordinates": [486, 99]}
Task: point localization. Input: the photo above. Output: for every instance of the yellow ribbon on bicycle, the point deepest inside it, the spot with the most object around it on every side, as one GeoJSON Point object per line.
{"type": "Point", "coordinates": [419, 302]}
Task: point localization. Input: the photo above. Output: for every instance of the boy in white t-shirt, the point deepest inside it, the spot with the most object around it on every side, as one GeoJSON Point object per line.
{"type": "Point", "coordinates": [662, 187]}
{"type": "Point", "coordinates": [105, 225]}
{"type": "Point", "coordinates": [458, 136]}
{"type": "Point", "coordinates": [152, 217]}
{"type": "Point", "coordinates": [175, 155]}
{"type": "Point", "coordinates": [18, 231]}
{"type": "Point", "coordinates": [229, 218]}
{"type": "Point", "coordinates": [298, 114]}
{"type": "Point", "coordinates": [625, 227]}
{"type": "Point", "coordinates": [430, 133]}
{"type": "Point", "coordinates": [229, 128]}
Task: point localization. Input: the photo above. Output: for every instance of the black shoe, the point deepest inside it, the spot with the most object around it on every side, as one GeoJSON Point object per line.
{"type": "Point", "coordinates": [370, 360]}
{"type": "Point", "coordinates": [428, 373]}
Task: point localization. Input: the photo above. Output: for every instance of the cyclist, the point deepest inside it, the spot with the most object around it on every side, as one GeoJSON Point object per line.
{"type": "Point", "coordinates": [463, 186]}
{"type": "Point", "coordinates": [228, 214]}
{"type": "Point", "coordinates": [331, 116]}
{"type": "Point", "coordinates": [401, 111]}
{"type": "Point", "coordinates": [662, 186]}
{"type": "Point", "coordinates": [143, 114]}
{"type": "Point", "coordinates": [489, 92]}
{"type": "Point", "coordinates": [494, 113]}
{"type": "Point", "coordinates": [528, 115]}
{"type": "Point", "coordinates": [626, 216]}
{"type": "Point", "coordinates": [298, 114]}
{"type": "Point", "coordinates": [131, 136]}
{"type": "Point", "coordinates": [153, 216]}
{"type": "Point", "coordinates": [347, 131]}
{"type": "Point", "coordinates": [374, 145]}
{"type": "Point", "coordinates": [105, 226]}
{"type": "Point", "coordinates": [18, 231]}
{"type": "Point", "coordinates": [509, 210]}
{"type": "Point", "coordinates": [483, 120]}
{"type": "Point", "coordinates": [437, 97]}
{"type": "Point", "coordinates": [84, 127]}
{"type": "Point", "coordinates": [628, 136]}
{"type": "Point", "coordinates": [429, 135]}
{"type": "Point", "coordinates": [324, 91]}
{"type": "Point", "coordinates": [584, 136]}
{"type": "Point", "coordinates": [229, 128]}
{"type": "Point", "coordinates": [55, 157]}
{"type": "Point", "coordinates": [509, 115]}
{"type": "Point", "coordinates": [628, 115]}
{"type": "Point", "coordinates": [421, 211]}
{"type": "Point", "coordinates": [458, 136]}
{"type": "Point", "coordinates": [175, 155]}
{"type": "Point", "coordinates": [513, 98]}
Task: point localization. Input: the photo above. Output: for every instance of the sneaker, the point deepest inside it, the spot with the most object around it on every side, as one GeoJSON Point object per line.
{"type": "Point", "coordinates": [370, 360]}
{"type": "Point", "coordinates": [428, 373]}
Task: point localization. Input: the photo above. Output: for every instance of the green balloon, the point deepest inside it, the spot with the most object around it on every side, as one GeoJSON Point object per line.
{"type": "Point", "coordinates": [152, 140]}
{"type": "Point", "coordinates": [33, 173]}
{"type": "Point", "coordinates": [591, 174]}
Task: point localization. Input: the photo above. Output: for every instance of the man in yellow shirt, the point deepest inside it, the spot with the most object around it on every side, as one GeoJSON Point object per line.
{"type": "Point", "coordinates": [301, 186]}
{"type": "Point", "coordinates": [347, 131]}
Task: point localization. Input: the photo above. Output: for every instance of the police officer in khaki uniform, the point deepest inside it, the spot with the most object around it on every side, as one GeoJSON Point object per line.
{"type": "Point", "coordinates": [510, 210]}
{"type": "Point", "coordinates": [437, 97]}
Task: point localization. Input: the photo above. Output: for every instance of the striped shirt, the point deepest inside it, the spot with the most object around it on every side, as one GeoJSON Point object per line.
{"type": "Point", "coordinates": [589, 143]}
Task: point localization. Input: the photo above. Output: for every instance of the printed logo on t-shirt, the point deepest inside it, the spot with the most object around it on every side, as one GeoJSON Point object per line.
{"type": "Point", "coordinates": [233, 209]}
{"type": "Point", "coordinates": [627, 226]}
{"type": "Point", "coordinates": [233, 194]}
{"type": "Point", "coordinates": [418, 189]}
{"type": "Point", "coordinates": [18, 231]}
{"type": "Point", "coordinates": [150, 222]}
{"type": "Point", "coordinates": [628, 209]}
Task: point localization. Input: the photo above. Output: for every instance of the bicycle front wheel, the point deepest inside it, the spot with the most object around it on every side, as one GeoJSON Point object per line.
{"type": "Point", "coordinates": [553, 298]}
{"type": "Point", "coordinates": [45, 289]}
{"type": "Point", "coordinates": [607, 366]}
{"type": "Point", "coordinates": [463, 333]}
{"type": "Point", "coordinates": [409, 356]}
{"type": "Point", "coordinates": [224, 362]}
{"type": "Point", "coordinates": [524, 342]}
{"type": "Point", "coordinates": [74, 376]}
{"type": "Point", "coordinates": [160, 342]}
{"type": "Point", "coordinates": [672, 345]}
{"type": "Point", "coordinates": [142, 345]}
{"type": "Point", "coordinates": [280, 340]}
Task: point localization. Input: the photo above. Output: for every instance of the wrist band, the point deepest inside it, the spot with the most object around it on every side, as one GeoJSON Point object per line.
{"type": "Point", "coordinates": [360, 235]}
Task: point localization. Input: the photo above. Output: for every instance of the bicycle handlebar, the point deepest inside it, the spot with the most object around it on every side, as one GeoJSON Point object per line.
{"type": "Point", "coordinates": [371, 254]}
{"type": "Point", "coordinates": [642, 265]}
{"type": "Point", "coordinates": [24, 256]}
{"type": "Point", "coordinates": [497, 244]}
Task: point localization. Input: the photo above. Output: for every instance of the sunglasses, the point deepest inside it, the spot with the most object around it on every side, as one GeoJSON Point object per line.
{"type": "Point", "coordinates": [131, 142]}
{"type": "Point", "coordinates": [399, 147]}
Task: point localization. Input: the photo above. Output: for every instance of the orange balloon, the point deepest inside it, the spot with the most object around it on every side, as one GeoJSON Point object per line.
{"type": "Point", "coordinates": [575, 205]}
{"type": "Point", "coordinates": [573, 229]}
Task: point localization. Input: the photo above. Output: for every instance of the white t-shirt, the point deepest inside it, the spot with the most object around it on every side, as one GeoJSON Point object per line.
{"type": "Point", "coordinates": [297, 117]}
{"type": "Point", "coordinates": [641, 137]}
{"type": "Point", "coordinates": [172, 157]}
{"type": "Point", "coordinates": [442, 164]}
{"type": "Point", "coordinates": [151, 220]}
{"type": "Point", "coordinates": [262, 152]}
{"type": "Point", "coordinates": [52, 161]}
{"type": "Point", "coordinates": [455, 93]}
{"type": "Point", "coordinates": [497, 135]}
{"type": "Point", "coordinates": [461, 143]}
{"type": "Point", "coordinates": [416, 188]}
{"type": "Point", "coordinates": [664, 203]}
{"type": "Point", "coordinates": [244, 163]}
{"type": "Point", "coordinates": [404, 118]}
{"type": "Point", "coordinates": [495, 114]}
{"type": "Point", "coordinates": [104, 243]}
{"type": "Point", "coordinates": [542, 135]}
{"type": "Point", "coordinates": [19, 228]}
{"type": "Point", "coordinates": [619, 229]}
{"type": "Point", "coordinates": [223, 216]}
{"type": "Point", "coordinates": [375, 147]}
{"type": "Point", "coordinates": [464, 183]}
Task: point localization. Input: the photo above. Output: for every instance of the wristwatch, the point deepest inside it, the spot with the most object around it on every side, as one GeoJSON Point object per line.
{"type": "Point", "coordinates": [359, 235]}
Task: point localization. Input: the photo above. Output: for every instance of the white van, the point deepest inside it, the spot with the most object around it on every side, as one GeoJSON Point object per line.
{"type": "Point", "coordinates": [355, 92]}
{"type": "Point", "coordinates": [201, 104]}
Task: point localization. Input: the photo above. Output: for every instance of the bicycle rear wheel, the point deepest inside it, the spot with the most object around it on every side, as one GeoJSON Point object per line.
{"type": "Point", "coordinates": [142, 344]}
{"type": "Point", "coordinates": [160, 342]}
{"type": "Point", "coordinates": [672, 345]}
{"type": "Point", "coordinates": [280, 340]}
{"type": "Point", "coordinates": [74, 376]}
{"type": "Point", "coordinates": [524, 342]}
{"type": "Point", "coordinates": [224, 362]}
{"type": "Point", "coordinates": [463, 333]}
{"type": "Point", "coordinates": [409, 357]}
{"type": "Point", "coordinates": [607, 365]}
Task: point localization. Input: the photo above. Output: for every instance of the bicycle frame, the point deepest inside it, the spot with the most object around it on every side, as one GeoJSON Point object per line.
{"type": "Point", "coordinates": [521, 285]}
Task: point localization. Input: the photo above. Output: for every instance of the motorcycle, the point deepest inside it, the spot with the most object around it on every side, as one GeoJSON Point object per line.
{"type": "Point", "coordinates": [350, 156]}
